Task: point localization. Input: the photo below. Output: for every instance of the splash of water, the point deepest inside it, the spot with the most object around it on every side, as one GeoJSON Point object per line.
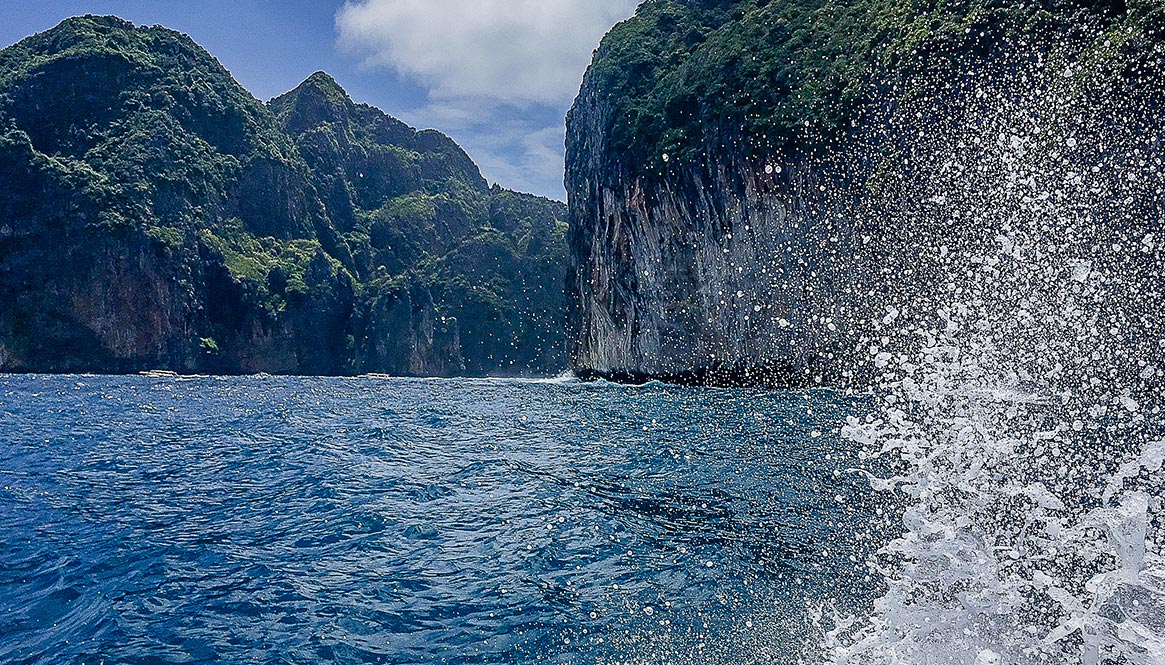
{"type": "Point", "coordinates": [1020, 398]}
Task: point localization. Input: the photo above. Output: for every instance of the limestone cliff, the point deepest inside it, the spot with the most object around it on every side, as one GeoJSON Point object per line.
{"type": "Point", "coordinates": [745, 178]}
{"type": "Point", "coordinates": [154, 215]}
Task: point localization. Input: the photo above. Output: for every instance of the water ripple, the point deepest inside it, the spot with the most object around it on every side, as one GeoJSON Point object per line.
{"type": "Point", "coordinates": [405, 521]}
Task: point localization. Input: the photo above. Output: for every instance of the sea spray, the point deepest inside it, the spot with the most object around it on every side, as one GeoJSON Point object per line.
{"type": "Point", "coordinates": [1019, 386]}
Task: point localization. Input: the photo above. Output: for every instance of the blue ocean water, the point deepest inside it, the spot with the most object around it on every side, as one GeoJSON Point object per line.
{"type": "Point", "coordinates": [292, 520]}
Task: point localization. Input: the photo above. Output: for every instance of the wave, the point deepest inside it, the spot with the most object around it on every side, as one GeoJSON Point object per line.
{"type": "Point", "coordinates": [565, 378]}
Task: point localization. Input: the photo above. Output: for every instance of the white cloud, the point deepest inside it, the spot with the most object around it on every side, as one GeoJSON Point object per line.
{"type": "Point", "coordinates": [512, 51]}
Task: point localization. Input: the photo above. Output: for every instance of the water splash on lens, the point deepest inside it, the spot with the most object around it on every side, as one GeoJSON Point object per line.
{"type": "Point", "coordinates": [1020, 384]}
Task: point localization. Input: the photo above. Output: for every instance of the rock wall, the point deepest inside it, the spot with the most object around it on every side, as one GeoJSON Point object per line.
{"type": "Point", "coordinates": [751, 223]}
{"type": "Point", "coordinates": [715, 275]}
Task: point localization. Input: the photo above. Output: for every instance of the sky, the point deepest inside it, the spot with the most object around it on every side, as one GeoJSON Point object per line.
{"type": "Point", "coordinates": [496, 75]}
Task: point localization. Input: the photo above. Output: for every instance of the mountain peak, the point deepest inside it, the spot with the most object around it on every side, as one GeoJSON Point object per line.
{"type": "Point", "coordinates": [319, 85]}
{"type": "Point", "coordinates": [323, 80]}
{"type": "Point", "coordinates": [101, 20]}
{"type": "Point", "coordinates": [155, 49]}
{"type": "Point", "coordinates": [73, 86]}
{"type": "Point", "coordinates": [99, 28]}
{"type": "Point", "coordinates": [318, 99]}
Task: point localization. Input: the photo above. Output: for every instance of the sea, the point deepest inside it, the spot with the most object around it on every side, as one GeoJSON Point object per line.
{"type": "Point", "coordinates": [374, 520]}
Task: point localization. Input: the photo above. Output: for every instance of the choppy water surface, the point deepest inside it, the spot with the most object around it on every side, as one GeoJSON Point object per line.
{"type": "Point", "coordinates": [407, 521]}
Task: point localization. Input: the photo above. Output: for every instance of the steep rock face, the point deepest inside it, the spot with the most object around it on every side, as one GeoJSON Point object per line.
{"type": "Point", "coordinates": [153, 214]}
{"type": "Point", "coordinates": [717, 275]}
{"type": "Point", "coordinates": [739, 174]}
{"type": "Point", "coordinates": [410, 338]}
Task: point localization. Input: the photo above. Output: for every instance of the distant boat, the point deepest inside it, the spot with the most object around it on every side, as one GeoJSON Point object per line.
{"type": "Point", "coordinates": [159, 374]}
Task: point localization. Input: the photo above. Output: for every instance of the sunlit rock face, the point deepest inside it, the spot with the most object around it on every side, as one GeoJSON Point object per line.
{"type": "Point", "coordinates": [748, 181]}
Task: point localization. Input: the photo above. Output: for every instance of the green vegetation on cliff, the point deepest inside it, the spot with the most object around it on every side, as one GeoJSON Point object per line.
{"type": "Point", "coordinates": [684, 78]}
{"type": "Point", "coordinates": [154, 214]}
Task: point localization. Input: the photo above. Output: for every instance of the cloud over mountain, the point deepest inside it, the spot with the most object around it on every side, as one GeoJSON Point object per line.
{"type": "Point", "coordinates": [513, 51]}
{"type": "Point", "coordinates": [500, 74]}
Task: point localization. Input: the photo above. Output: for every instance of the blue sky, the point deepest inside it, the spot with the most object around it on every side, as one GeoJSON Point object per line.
{"type": "Point", "coordinates": [496, 75]}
